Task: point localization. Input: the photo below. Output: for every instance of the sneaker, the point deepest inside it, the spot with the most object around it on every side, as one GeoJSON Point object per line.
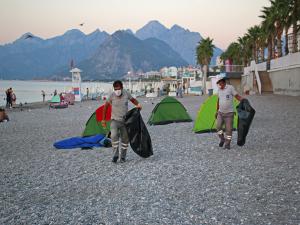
{"type": "Point", "coordinates": [221, 143]}
{"type": "Point", "coordinates": [227, 147]}
{"type": "Point", "coordinates": [122, 160]}
{"type": "Point", "coordinates": [115, 159]}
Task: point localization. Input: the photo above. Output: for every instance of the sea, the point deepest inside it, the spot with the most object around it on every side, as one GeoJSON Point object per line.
{"type": "Point", "coordinates": [31, 91]}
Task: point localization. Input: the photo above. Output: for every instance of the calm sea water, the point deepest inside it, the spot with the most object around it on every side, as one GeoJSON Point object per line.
{"type": "Point", "coordinates": [30, 91]}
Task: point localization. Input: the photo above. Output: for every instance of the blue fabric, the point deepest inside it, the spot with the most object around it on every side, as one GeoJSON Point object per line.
{"type": "Point", "coordinates": [81, 142]}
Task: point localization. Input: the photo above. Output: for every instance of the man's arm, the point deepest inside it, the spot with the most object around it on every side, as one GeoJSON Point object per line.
{"type": "Point", "coordinates": [217, 108]}
{"type": "Point", "coordinates": [136, 103]}
{"type": "Point", "coordinates": [103, 121]}
{"type": "Point", "coordinates": [238, 97]}
{"type": "Point", "coordinates": [235, 94]}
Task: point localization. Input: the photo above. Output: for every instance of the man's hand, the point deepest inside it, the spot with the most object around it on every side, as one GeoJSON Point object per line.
{"type": "Point", "coordinates": [139, 106]}
{"type": "Point", "coordinates": [103, 123]}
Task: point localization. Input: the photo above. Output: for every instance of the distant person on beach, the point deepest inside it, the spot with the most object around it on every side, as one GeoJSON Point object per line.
{"type": "Point", "coordinates": [55, 92]}
{"type": "Point", "coordinates": [8, 98]}
{"type": "Point", "coordinates": [7, 94]}
{"type": "Point", "coordinates": [3, 115]}
{"type": "Point", "coordinates": [13, 98]}
{"type": "Point", "coordinates": [87, 93]}
{"type": "Point", "coordinates": [119, 101]}
{"type": "Point", "coordinates": [61, 97]}
{"type": "Point", "coordinates": [44, 95]}
{"type": "Point", "coordinates": [180, 91]}
{"type": "Point", "coordinates": [225, 111]}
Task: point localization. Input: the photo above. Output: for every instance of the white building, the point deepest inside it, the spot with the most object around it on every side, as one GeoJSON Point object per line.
{"type": "Point", "coordinates": [152, 74]}
{"type": "Point", "coordinates": [169, 72]}
{"type": "Point", "coordinates": [172, 71]}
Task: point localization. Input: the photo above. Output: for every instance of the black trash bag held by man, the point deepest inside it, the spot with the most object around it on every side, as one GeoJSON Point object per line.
{"type": "Point", "coordinates": [139, 137]}
{"type": "Point", "coordinates": [245, 117]}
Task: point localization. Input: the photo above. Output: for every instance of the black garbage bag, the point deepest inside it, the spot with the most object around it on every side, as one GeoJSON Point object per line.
{"type": "Point", "coordinates": [140, 140]}
{"type": "Point", "coordinates": [245, 117]}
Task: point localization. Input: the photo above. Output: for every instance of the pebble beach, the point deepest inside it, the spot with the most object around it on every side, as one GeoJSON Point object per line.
{"type": "Point", "coordinates": [188, 180]}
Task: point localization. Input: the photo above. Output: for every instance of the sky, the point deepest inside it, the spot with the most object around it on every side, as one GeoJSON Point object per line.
{"type": "Point", "coordinates": [222, 20]}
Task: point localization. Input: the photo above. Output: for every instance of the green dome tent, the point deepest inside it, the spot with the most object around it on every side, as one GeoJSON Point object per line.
{"type": "Point", "coordinates": [205, 121]}
{"type": "Point", "coordinates": [93, 125]}
{"type": "Point", "coordinates": [55, 99]}
{"type": "Point", "coordinates": [169, 110]}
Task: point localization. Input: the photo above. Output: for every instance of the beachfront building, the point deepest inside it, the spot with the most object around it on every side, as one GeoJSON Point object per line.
{"type": "Point", "coordinates": [169, 72]}
{"type": "Point", "coordinates": [169, 86]}
{"type": "Point", "coordinates": [152, 75]}
{"type": "Point", "coordinates": [189, 78]}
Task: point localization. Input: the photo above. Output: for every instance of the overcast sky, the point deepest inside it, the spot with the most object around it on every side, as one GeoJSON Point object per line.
{"type": "Point", "coordinates": [222, 20]}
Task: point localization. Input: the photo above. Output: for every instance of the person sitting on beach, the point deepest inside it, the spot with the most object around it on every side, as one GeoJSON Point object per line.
{"type": "Point", "coordinates": [225, 111]}
{"type": "Point", "coordinates": [3, 115]}
{"type": "Point", "coordinates": [119, 101]}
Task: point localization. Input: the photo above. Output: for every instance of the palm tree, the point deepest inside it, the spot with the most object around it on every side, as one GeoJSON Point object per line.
{"type": "Point", "coordinates": [245, 49]}
{"type": "Point", "coordinates": [280, 10]}
{"type": "Point", "coordinates": [254, 33]}
{"type": "Point", "coordinates": [233, 53]}
{"type": "Point", "coordinates": [269, 29]}
{"type": "Point", "coordinates": [294, 17]}
{"type": "Point", "coordinates": [204, 52]}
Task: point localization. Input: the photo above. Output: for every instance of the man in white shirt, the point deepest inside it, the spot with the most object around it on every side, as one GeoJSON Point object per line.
{"type": "Point", "coordinates": [225, 111]}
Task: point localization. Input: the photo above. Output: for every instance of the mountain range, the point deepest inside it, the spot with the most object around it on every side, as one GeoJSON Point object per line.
{"type": "Point", "coordinates": [101, 56]}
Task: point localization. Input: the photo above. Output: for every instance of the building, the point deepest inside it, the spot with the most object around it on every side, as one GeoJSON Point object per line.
{"type": "Point", "coordinates": [152, 74]}
{"type": "Point", "coordinates": [169, 72]}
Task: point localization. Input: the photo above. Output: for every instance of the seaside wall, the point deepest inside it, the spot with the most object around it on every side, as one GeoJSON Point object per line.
{"type": "Point", "coordinates": [285, 75]}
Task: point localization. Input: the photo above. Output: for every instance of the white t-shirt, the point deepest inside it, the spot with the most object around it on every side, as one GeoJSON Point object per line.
{"type": "Point", "coordinates": [226, 99]}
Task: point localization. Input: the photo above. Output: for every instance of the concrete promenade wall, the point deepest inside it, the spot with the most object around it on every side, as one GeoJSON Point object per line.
{"type": "Point", "coordinates": [285, 75]}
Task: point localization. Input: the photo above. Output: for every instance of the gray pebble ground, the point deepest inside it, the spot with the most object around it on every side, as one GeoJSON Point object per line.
{"type": "Point", "coordinates": [189, 180]}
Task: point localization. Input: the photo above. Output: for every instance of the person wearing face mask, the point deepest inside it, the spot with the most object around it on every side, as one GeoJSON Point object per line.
{"type": "Point", "coordinates": [225, 111]}
{"type": "Point", "coordinates": [119, 102]}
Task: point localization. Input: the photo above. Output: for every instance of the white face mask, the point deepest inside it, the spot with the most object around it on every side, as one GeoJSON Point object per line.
{"type": "Point", "coordinates": [118, 92]}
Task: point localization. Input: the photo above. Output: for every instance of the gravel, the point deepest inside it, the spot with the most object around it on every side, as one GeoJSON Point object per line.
{"type": "Point", "coordinates": [188, 180]}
